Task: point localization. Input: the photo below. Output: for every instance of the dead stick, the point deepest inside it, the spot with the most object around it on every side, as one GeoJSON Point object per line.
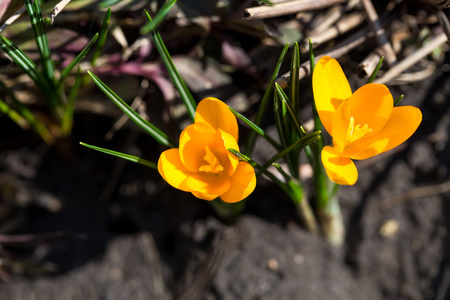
{"type": "Point", "coordinates": [286, 8]}
{"type": "Point", "coordinates": [410, 60]}
{"type": "Point", "coordinates": [342, 48]}
{"type": "Point", "coordinates": [382, 40]}
{"type": "Point", "coordinates": [368, 65]}
{"type": "Point", "coordinates": [416, 193]}
{"type": "Point", "coordinates": [341, 27]}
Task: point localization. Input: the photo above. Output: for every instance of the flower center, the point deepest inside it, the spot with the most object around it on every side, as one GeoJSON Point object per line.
{"type": "Point", "coordinates": [212, 163]}
{"type": "Point", "coordinates": [356, 132]}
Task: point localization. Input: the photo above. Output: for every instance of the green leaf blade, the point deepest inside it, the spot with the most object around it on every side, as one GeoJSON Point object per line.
{"type": "Point", "coordinates": [157, 19]}
{"type": "Point", "coordinates": [125, 156]}
{"type": "Point", "coordinates": [178, 81]}
{"type": "Point", "coordinates": [151, 129]}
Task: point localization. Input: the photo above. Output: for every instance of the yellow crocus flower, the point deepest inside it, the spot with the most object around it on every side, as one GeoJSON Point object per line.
{"type": "Point", "coordinates": [362, 124]}
{"type": "Point", "coordinates": [202, 164]}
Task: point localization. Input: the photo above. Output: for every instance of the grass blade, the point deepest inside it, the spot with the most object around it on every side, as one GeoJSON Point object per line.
{"type": "Point", "coordinates": [14, 115]}
{"type": "Point", "coordinates": [27, 65]}
{"type": "Point", "coordinates": [160, 15]}
{"type": "Point", "coordinates": [102, 38]}
{"type": "Point", "coordinates": [67, 121]}
{"type": "Point", "coordinates": [250, 144]}
{"type": "Point", "coordinates": [77, 59]}
{"type": "Point", "coordinates": [125, 156]}
{"type": "Point", "coordinates": [299, 144]}
{"type": "Point", "coordinates": [151, 129]}
{"type": "Point", "coordinates": [290, 109]}
{"type": "Point", "coordinates": [28, 115]}
{"type": "Point", "coordinates": [397, 101]}
{"type": "Point", "coordinates": [256, 129]}
{"type": "Point", "coordinates": [185, 94]}
{"type": "Point", "coordinates": [375, 72]}
{"type": "Point", "coordinates": [294, 83]}
{"type": "Point", "coordinates": [37, 24]}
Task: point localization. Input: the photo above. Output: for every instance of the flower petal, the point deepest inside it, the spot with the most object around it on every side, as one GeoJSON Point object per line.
{"type": "Point", "coordinates": [223, 142]}
{"type": "Point", "coordinates": [243, 183]}
{"type": "Point", "coordinates": [330, 87]}
{"type": "Point", "coordinates": [339, 169]}
{"type": "Point", "coordinates": [216, 114]}
{"type": "Point", "coordinates": [371, 104]}
{"type": "Point", "coordinates": [403, 122]}
{"type": "Point", "coordinates": [193, 141]}
{"type": "Point", "coordinates": [207, 184]}
{"type": "Point", "coordinates": [172, 169]}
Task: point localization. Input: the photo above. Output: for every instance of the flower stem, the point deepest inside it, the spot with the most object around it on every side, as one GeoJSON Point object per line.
{"type": "Point", "coordinates": [330, 217]}
{"type": "Point", "coordinates": [228, 211]}
{"type": "Point", "coordinates": [302, 205]}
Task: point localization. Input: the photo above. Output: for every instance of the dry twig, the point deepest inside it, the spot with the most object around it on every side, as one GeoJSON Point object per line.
{"type": "Point", "coordinates": [410, 60]}
{"type": "Point", "coordinates": [346, 24]}
{"type": "Point", "coordinates": [382, 40]}
{"type": "Point", "coordinates": [415, 193]}
{"type": "Point", "coordinates": [287, 8]}
{"type": "Point", "coordinates": [342, 48]}
{"type": "Point", "coordinates": [11, 19]}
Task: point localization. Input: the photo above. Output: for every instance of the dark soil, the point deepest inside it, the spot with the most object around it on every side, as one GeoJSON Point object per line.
{"type": "Point", "coordinates": [145, 240]}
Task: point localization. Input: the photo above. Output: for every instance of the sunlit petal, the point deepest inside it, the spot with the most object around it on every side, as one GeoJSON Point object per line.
{"type": "Point", "coordinates": [208, 184]}
{"type": "Point", "coordinates": [204, 196]}
{"type": "Point", "coordinates": [403, 122]}
{"type": "Point", "coordinates": [224, 141]}
{"type": "Point", "coordinates": [339, 169]}
{"type": "Point", "coordinates": [371, 104]}
{"type": "Point", "coordinates": [330, 87]}
{"type": "Point", "coordinates": [243, 183]}
{"type": "Point", "coordinates": [193, 141]}
{"type": "Point", "coordinates": [172, 169]}
{"type": "Point", "coordinates": [216, 114]}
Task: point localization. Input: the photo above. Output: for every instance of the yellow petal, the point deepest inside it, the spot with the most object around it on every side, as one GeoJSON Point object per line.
{"type": "Point", "coordinates": [371, 104]}
{"type": "Point", "coordinates": [172, 169]}
{"type": "Point", "coordinates": [193, 142]}
{"type": "Point", "coordinates": [243, 183]}
{"type": "Point", "coordinates": [403, 122]}
{"type": "Point", "coordinates": [216, 114]}
{"type": "Point", "coordinates": [339, 169]}
{"type": "Point", "coordinates": [330, 87]}
{"type": "Point", "coordinates": [224, 141]}
{"type": "Point", "coordinates": [211, 185]}
{"type": "Point", "coordinates": [204, 196]}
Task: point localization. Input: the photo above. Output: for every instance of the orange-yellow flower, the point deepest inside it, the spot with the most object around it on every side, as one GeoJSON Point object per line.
{"type": "Point", "coordinates": [202, 164]}
{"type": "Point", "coordinates": [362, 124]}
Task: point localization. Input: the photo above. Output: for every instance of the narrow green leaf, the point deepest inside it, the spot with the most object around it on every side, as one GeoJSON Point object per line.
{"type": "Point", "coordinates": [294, 95]}
{"type": "Point", "coordinates": [300, 144]}
{"type": "Point", "coordinates": [125, 156]}
{"type": "Point", "coordinates": [317, 123]}
{"type": "Point", "coordinates": [37, 24]}
{"type": "Point", "coordinates": [160, 15]}
{"type": "Point", "coordinates": [102, 38]}
{"type": "Point", "coordinates": [27, 65]}
{"type": "Point", "coordinates": [14, 115]}
{"type": "Point", "coordinates": [28, 115]}
{"type": "Point", "coordinates": [262, 109]}
{"type": "Point", "coordinates": [181, 87]}
{"type": "Point", "coordinates": [266, 2]}
{"type": "Point", "coordinates": [257, 166]}
{"type": "Point", "coordinates": [280, 170]}
{"type": "Point", "coordinates": [151, 129]}
{"type": "Point", "coordinates": [375, 72]}
{"type": "Point", "coordinates": [67, 121]}
{"type": "Point", "coordinates": [256, 128]}
{"type": "Point", "coordinates": [290, 109]}
{"type": "Point", "coordinates": [77, 59]}
{"type": "Point", "coordinates": [397, 101]}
